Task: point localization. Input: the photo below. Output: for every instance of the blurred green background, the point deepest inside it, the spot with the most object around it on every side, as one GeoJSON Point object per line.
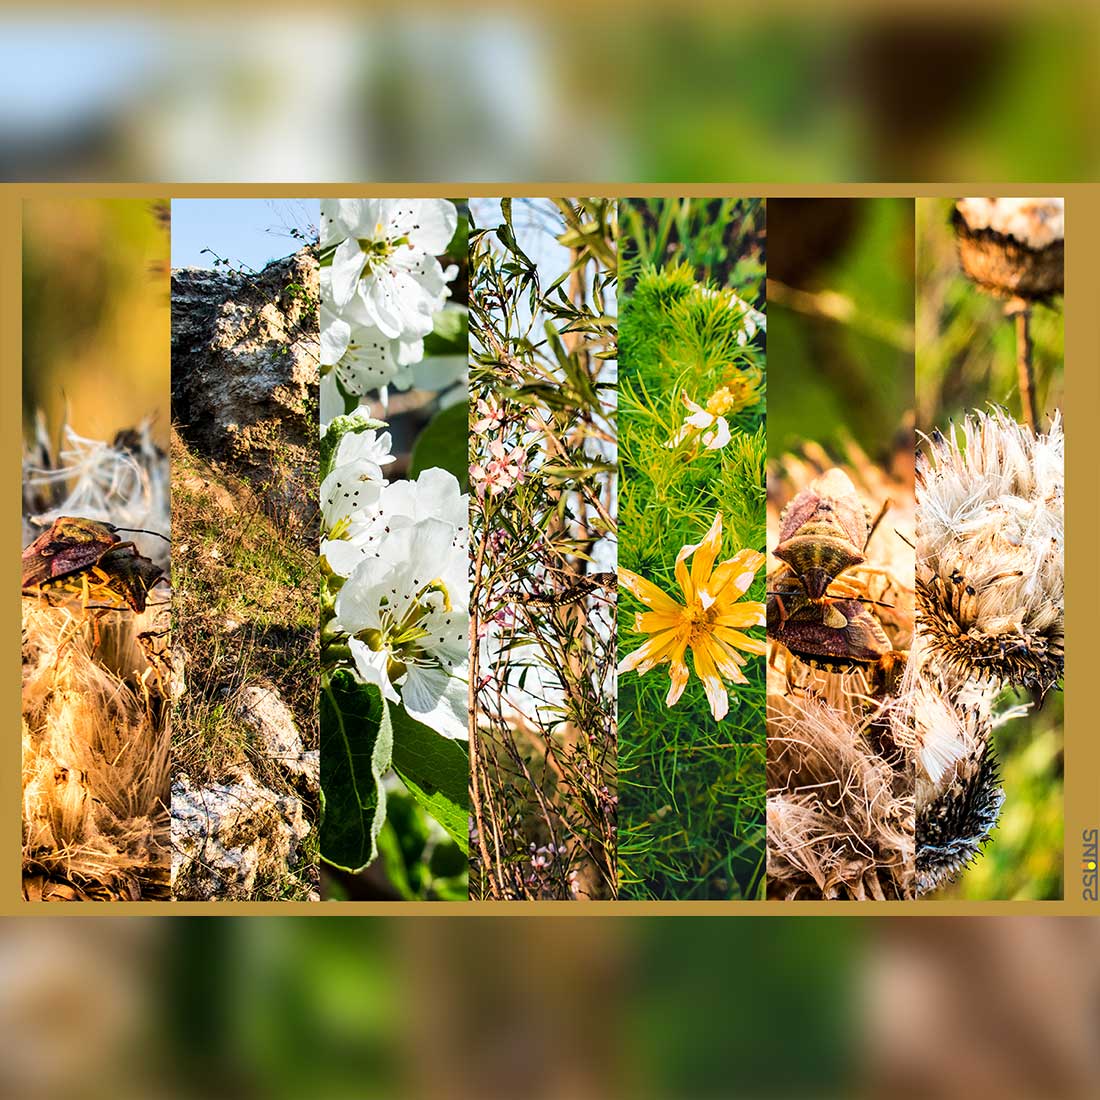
{"type": "Point", "coordinates": [1024, 855]}
{"type": "Point", "coordinates": [792, 92]}
{"type": "Point", "coordinates": [547, 1008]}
{"type": "Point", "coordinates": [416, 1007]}
{"type": "Point", "coordinates": [96, 315]}
{"type": "Point", "coordinates": [966, 347]}
{"type": "Point", "coordinates": [840, 323]}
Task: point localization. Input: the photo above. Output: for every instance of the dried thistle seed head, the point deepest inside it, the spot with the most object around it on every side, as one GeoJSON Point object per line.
{"type": "Point", "coordinates": [990, 538]}
{"type": "Point", "coordinates": [823, 531]}
{"type": "Point", "coordinates": [1035, 222]}
{"type": "Point", "coordinates": [839, 812]}
{"type": "Point", "coordinates": [944, 728]}
{"type": "Point", "coordinates": [1012, 247]}
{"type": "Point", "coordinates": [952, 828]}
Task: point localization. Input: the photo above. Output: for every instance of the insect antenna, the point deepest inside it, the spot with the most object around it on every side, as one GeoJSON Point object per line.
{"type": "Point", "coordinates": [864, 599]}
{"type": "Point", "coordinates": [143, 531]}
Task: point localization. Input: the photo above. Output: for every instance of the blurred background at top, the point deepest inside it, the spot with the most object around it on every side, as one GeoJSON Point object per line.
{"type": "Point", "coordinates": [800, 93]}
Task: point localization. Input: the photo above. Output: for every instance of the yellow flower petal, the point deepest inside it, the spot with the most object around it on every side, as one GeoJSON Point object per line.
{"type": "Point", "coordinates": [712, 683]}
{"type": "Point", "coordinates": [741, 641]}
{"type": "Point", "coordinates": [749, 613]}
{"type": "Point", "coordinates": [679, 673]}
{"type": "Point", "coordinates": [647, 592]}
{"type": "Point", "coordinates": [731, 580]}
{"type": "Point", "coordinates": [652, 653]}
{"type": "Point", "coordinates": [703, 560]}
{"type": "Point", "coordinates": [729, 664]}
{"type": "Point", "coordinates": [649, 622]}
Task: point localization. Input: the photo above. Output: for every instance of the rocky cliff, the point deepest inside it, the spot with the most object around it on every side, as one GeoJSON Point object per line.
{"type": "Point", "coordinates": [245, 370]}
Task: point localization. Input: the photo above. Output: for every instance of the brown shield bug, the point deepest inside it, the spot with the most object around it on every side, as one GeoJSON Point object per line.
{"type": "Point", "coordinates": [823, 531]}
{"type": "Point", "coordinates": [87, 557]}
{"type": "Point", "coordinates": [836, 636]}
{"type": "Point", "coordinates": [839, 636]}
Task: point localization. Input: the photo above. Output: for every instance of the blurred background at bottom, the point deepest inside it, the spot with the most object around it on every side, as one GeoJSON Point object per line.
{"type": "Point", "coordinates": [541, 1007]}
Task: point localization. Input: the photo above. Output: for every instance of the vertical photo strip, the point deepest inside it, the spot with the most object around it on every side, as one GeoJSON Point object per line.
{"type": "Point", "coordinates": [990, 647]}
{"type": "Point", "coordinates": [245, 456]}
{"type": "Point", "coordinates": [96, 605]}
{"type": "Point", "coordinates": [692, 502]}
{"type": "Point", "coordinates": [395, 580]}
{"type": "Point", "coordinates": [543, 549]}
{"type": "Point", "coordinates": [841, 558]}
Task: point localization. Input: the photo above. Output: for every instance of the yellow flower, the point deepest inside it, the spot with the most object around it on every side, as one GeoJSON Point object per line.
{"type": "Point", "coordinates": [740, 391]}
{"type": "Point", "coordinates": [709, 622]}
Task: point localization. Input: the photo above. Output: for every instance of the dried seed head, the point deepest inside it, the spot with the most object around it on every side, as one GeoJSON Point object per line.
{"type": "Point", "coordinates": [839, 806]}
{"type": "Point", "coordinates": [952, 828]}
{"type": "Point", "coordinates": [1035, 222]}
{"type": "Point", "coordinates": [990, 565]}
{"type": "Point", "coordinates": [1012, 247]}
{"type": "Point", "coordinates": [945, 730]}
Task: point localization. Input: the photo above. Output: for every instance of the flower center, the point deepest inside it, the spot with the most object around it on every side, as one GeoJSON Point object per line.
{"type": "Point", "coordinates": [379, 248]}
{"type": "Point", "coordinates": [699, 621]}
{"type": "Point", "coordinates": [402, 638]}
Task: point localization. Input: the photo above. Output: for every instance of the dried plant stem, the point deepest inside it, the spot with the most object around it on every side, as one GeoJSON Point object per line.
{"type": "Point", "coordinates": [1021, 310]}
{"type": "Point", "coordinates": [475, 674]}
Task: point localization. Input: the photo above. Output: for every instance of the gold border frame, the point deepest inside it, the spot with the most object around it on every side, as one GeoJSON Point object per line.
{"type": "Point", "coordinates": [1082, 334]}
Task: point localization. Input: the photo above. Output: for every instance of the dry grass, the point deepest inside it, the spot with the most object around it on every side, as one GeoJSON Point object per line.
{"type": "Point", "coordinates": [246, 614]}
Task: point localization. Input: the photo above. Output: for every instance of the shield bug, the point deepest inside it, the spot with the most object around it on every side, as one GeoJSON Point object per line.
{"type": "Point", "coordinates": [839, 636]}
{"type": "Point", "coordinates": [77, 556]}
{"type": "Point", "coordinates": [823, 532]}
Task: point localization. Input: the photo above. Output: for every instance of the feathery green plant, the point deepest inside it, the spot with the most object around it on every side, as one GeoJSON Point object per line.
{"type": "Point", "coordinates": [691, 789]}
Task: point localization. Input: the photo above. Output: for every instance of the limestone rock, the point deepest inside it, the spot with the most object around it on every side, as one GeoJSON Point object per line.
{"type": "Point", "coordinates": [268, 716]}
{"type": "Point", "coordinates": [245, 368]}
{"type": "Point", "coordinates": [227, 835]}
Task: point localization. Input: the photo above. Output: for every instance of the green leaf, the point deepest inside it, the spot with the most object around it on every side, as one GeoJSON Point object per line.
{"type": "Point", "coordinates": [444, 443]}
{"type": "Point", "coordinates": [356, 747]}
{"type": "Point", "coordinates": [450, 333]}
{"type": "Point", "coordinates": [436, 771]}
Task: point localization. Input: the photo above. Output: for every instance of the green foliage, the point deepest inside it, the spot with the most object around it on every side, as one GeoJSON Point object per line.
{"type": "Point", "coordinates": [691, 790]}
{"type": "Point", "coordinates": [841, 365]}
{"type": "Point", "coordinates": [420, 863]}
{"type": "Point", "coordinates": [721, 240]}
{"type": "Point", "coordinates": [443, 443]}
{"type": "Point", "coordinates": [356, 748]}
{"type": "Point", "coordinates": [436, 771]}
{"type": "Point", "coordinates": [1024, 856]}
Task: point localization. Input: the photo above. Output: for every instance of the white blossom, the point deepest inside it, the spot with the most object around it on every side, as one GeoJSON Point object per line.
{"type": "Point", "coordinates": [384, 269]}
{"type": "Point", "coordinates": [434, 495]}
{"type": "Point", "coordinates": [405, 612]}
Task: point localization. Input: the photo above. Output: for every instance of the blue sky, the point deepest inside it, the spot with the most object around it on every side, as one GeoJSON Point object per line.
{"type": "Point", "coordinates": [247, 232]}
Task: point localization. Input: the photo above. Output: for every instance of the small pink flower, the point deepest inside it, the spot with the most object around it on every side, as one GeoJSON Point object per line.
{"type": "Point", "coordinates": [503, 470]}
{"type": "Point", "coordinates": [492, 417]}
